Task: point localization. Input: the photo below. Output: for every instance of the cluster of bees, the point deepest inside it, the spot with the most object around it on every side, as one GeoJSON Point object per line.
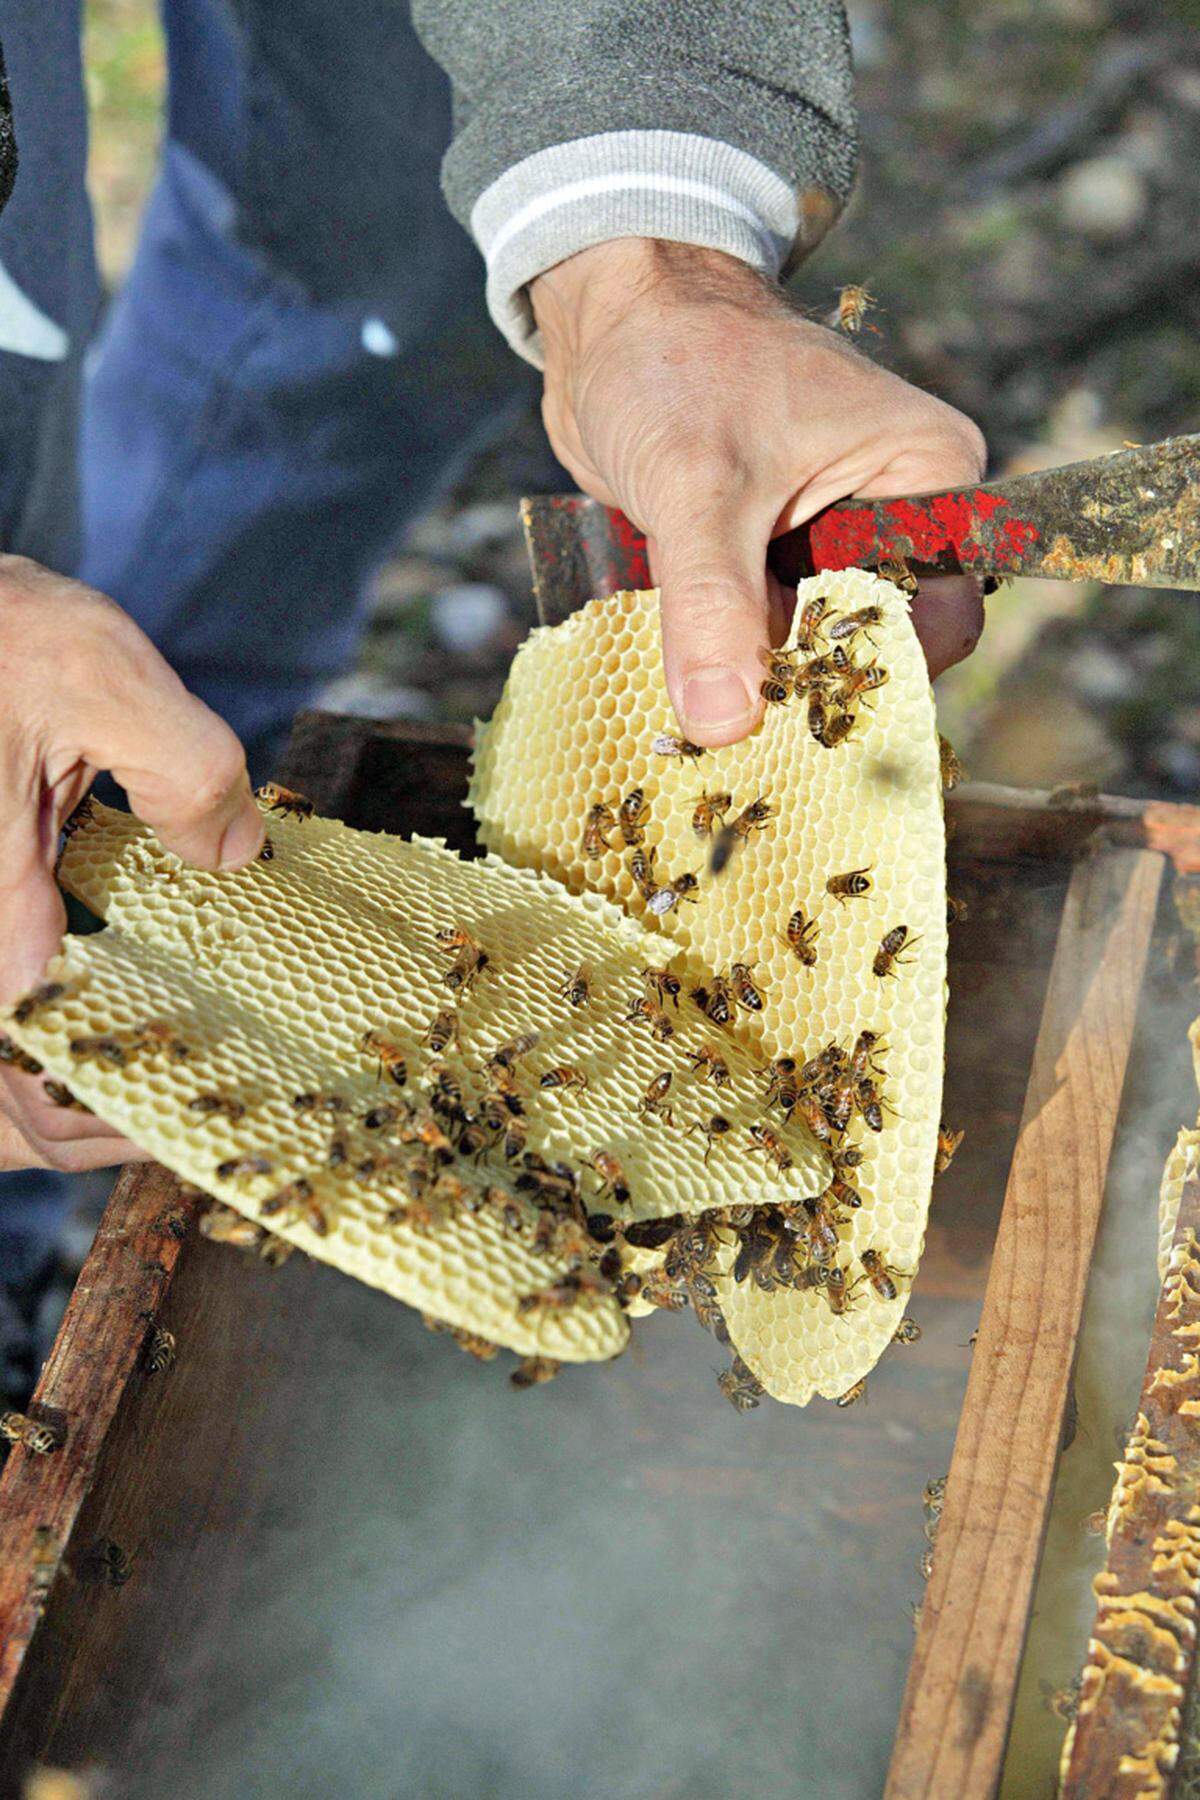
{"type": "Point", "coordinates": [832, 683]}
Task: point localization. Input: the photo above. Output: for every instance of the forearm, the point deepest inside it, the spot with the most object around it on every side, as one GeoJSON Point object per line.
{"type": "Point", "coordinates": [696, 121]}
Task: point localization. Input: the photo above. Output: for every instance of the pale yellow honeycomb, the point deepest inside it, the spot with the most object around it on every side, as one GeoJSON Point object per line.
{"type": "Point", "coordinates": [574, 726]}
{"type": "Point", "coordinates": [271, 976]}
{"type": "Point", "coordinates": [1183, 1161]}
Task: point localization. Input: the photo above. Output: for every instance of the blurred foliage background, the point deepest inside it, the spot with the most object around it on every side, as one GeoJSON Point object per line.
{"type": "Point", "coordinates": [1026, 218]}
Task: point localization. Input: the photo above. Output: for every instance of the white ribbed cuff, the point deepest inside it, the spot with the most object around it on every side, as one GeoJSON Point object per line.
{"type": "Point", "coordinates": [654, 184]}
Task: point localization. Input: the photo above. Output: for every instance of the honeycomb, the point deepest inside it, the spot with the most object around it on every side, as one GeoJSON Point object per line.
{"type": "Point", "coordinates": [1183, 1160]}
{"type": "Point", "coordinates": [576, 726]}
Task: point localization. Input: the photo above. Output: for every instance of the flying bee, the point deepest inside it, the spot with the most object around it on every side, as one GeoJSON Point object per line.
{"type": "Point", "coordinates": [213, 1106]}
{"type": "Point", "coordinates": [800, 936]}
{"type": "Point", "coordinates": [888, 958]}
{"type": "Point", "coordinates": [744, 990]}
{"type": "Point", "coordinates": [298, 1197]}
{"type": "Point", "coordinates": [879, 1273]}
{"type": "Point", "coordinates": [612, 1175]}
{"type": "Point", "coordinates": [867, 678]}
{"type": "Point", "coordinates": [850, 624]}
{"type": "Point", "coordinates": [853, 883]}
{"type": "Point", "coordinates": [441, 1031]}
{"type": "Point", "coordinates": [641, 867]}
{"type": "Point", "coordinates": [952, 770]}
{"type": "Point", "coordinates": [576, 989]}
{"type": "Point", "coordinates": [389, 1056]}
{"type": "Point", "coordinates": [631, 817]}
{"type": "Point", "coordinates": [34, 1002]}
{"type": "Point", "coordinates": [665, 899]}
{"type": "Point", "coordinates": [108, 1050]}
{"type": "Point", "coordinates": [565, 1293]}
{"type": "Point", "coordinates": [651, 1103]}
{"type": "Point", "coordinates": [776, 1151]}
{"type": "Point", "coordinates": [752, 818]}
{"type": "Point", "coordinates": [947, 1143]}
{"type": "Point", "coordinates": [714, 1002]}
{"type": "Point", "coordinates": [956, 910]}
{"type": "Point", "coordinates": [664, 743]}
{"type": "Point", "coordinates": [596, 828]}
{"type": "Point", "coordinates": [16, 1058]}
{"type": "Point", "coordinates": [896, 570]}
{"type": "Point", "coordinates": [565, 1076]}
{"type": "Point", "coordinates": [533, 1370]}
{"type": "Point", "coordinates": [664, 984]}
{"type": "Point", "coordinates": [239, 1166]}
{"type": "Point", "coordinates": [284, 800]}
{"type": "Point", "coordinates": [513, 1051]}
{"type": "Point", "coordinates": [711, 1130]}
{"type": "Point", "coordinates": [907, 1331]}
{"type": "Point", "coordinates": [853, 305]}
{"type": "Point", "coordinates": [59, 1094]}
{"type": "Point", "coordinates": [710, 809]}
{"type": "Point", "coordinates": [857, 1392]}
{"type": "Point", "coordinates": [810, 623]}
{"type": "Point", "coordinates": [708, 1063]}
{"type": "Point", "coordinates": [318, 1102]}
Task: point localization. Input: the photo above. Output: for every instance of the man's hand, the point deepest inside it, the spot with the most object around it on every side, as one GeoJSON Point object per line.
{"type": "Point", "coordinates": [681, 387]}
{"type": "Point", "coordinates": [84, 691]}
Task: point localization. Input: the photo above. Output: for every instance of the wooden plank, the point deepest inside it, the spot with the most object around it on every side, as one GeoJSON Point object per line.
{"type": "Point", "coordinates": [1141, 1660]}
{"type": "Point", "coordinates": [958, 1701]}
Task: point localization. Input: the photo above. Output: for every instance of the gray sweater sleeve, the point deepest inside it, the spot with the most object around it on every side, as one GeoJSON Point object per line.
{"type": "Point", "coordinates": [726, 123]}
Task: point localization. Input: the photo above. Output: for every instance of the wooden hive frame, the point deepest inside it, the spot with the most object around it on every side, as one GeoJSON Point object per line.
{"type": "Point", "coordinates": [147, 1266]}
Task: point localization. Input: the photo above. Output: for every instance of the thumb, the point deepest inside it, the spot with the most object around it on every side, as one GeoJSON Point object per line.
{"type": "Point", "coordinates": [711, 567]}
{"type": "Point", "coordinates": [32, 916]}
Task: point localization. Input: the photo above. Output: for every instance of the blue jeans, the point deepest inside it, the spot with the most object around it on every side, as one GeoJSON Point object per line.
{"type": "Point", "coordinates": [299, 360]}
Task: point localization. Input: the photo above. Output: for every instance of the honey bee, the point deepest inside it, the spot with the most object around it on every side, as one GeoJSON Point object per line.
{"type": "Point", "coordinates": [774, 692]}
{"type": "Point", "coordinates": [813, 1114]}
{"type": "Point", "coordinates": [857, 1392]}
{"type": "Point", "coordinates": [84, 814]}
{"type": "Point", "coordinates": [39, 1439]}
{"type": "Point", "coordinates": [267, 853]}
{"type": "Point", "coordinates": [632, 815]}
{"type": "Point", "coordinates": [533, 1370]}
{"type": "Point", "coordinates": [641, 867]}
{"type": "Point", "coordinates": [744, 990]}
{"type": "Point", "coordinates": [513, 1051]}
{"type": "Point", "coordinates": [651, 1103]}
{"type": "Point", "coordinates": [712, 1130]}
{"type": "Point", "coordinates": [888, 958]}
{"type": "Point", "coordinates": [933, 1497]}
{"type": "Point", "coordinates": [441, 1031]}
{"type": "Point", "coordinates": [216, 1105]}
{"type": "Point", "coordinates": [879, 1273]}
{"type": "Point", "coordinates": [284, 800]}
{"type": "Point", "coordinates": [320, 1102]}
{"type": "Point", "coordinates": [469, 960]}
{"type": "Point", "coordinates": [37, 1000]}
{"type": "Point", "coordinates": [662, 983]}
{"type": "Point", "coordinates": [947, 1143]}
{"type": "Point", "coordinates": [104, 1049]}
{"type": "Point", "coordinates": [752, 818]}
{"type": "Point", "coordinates": [666, 898]}
{"type": "Point", "coordinates": [845, 1195]}
{"type": "Point", "coordinates": [866, 679]}
{"type": "Point", "coordinates": [781, 1082]}
{"type": "Point", "coordinates": [710, 809]}
{"type": "Point", "coordinates": [867, 1046]}
{"type": "Point", "coordinates": [714, 1002]}
{"type": "Point", "coordinates": [424, 1129]}
{"type": "Point", "coordinates": [158, 1035]}
{"type": "Point", "coordinates": [446, 1099]}
{"type": "Point", "coordinates": [596, 828]}
{"type": "Point", "coordinates": [896, 570]}
{"type": "Point", "coordinates": [816, 1226]}
{"type": "Point", "coordinates": [298, 1197]}
{"type": "Point", "coordinates": [740, 1386]}
{"type": "Point", "coordinates": [956, 910]}
{"type": "Point", "coordinates": [612, 1175]}
{"type": "Point", "coordinates": [576, 989]}
{"type": "Point", "coordinates": [565, 1293]}
{"type": "Point", "coordinates": [481, 1348]}
{"type": "Point", "coordinates": [850, 624]}
{"type": "Point", "coordinates": [818, 716]}
{"type": "Point", "coordinates": [907, 1331]}
{"type": "Point", "coordinates": [389, 1056]}
{"type": "Point", "coordinates": [566, 1076]}
{"type": "Point", "coordinates": [43, 1567]}
{"type": "Point", "coordinates": [661, 1028]}
{"type": "Point", "coordinates": [776, 1151]}
{"type": "Point", "coordinates": [853, 883]}
{"type": "Point", "coordinates": [837, 1290]}
{"type": "Point", "coordinates": [800, 936]}
{"type": "Point", "coordinates": [952, 770]}
{"type": "Point", "coordinates": [660, 1290]}
{"type": "Point", "coordinates": [853, 305]}
{"type": "Point", "coordinates": [378, 1118]}
{"type": "Point", "coordinates": [16, 1058]}
{"type": "Point", "coordinates": [664, 743]}
{"type": "Point", "coordinates": [239, 1166]}
{"type": "Point", "coordinates": [225, 1226]}
{"type": "Point", "coordinates": [808, 630]}
{"type": "Point", "coordinates": [867, 1102]}
{"type": "Point", "coordinates": [708, 1063]}
{"type": "Point", "coordinates": [59, 1094]}
{"type": "Point", "coordinates": [925, 1566]}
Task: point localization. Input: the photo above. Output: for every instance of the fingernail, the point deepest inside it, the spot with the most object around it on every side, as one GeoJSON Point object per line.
{"type": "Point", "coordinates": [243, 838]}
{"type": "Point", "coordinates": [716, 700]}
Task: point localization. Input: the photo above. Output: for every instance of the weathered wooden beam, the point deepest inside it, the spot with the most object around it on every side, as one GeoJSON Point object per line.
{"type": "Point", "coordinates": [958, 1702]}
